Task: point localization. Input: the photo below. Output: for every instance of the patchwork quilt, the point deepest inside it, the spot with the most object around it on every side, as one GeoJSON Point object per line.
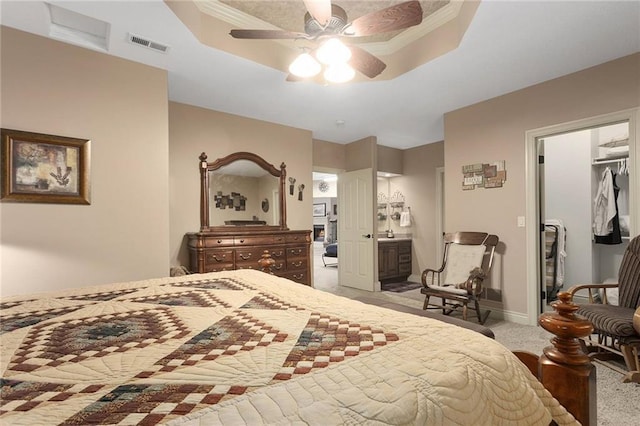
{"type": "Point", "coordinates": [244, 347]}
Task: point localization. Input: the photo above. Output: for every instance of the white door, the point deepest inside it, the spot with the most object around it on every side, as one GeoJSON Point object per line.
{"type": "Point", "coordinates": [355, 229]}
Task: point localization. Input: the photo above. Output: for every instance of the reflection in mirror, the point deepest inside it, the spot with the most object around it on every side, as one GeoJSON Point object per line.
{"type": "Point", "coordinates": [237, 194]}
{"type": "Point", "coordinates": [241, 189]}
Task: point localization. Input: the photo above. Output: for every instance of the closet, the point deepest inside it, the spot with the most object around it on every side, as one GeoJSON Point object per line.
{"type": "Point", "coordinates": [574, 166]}
{"type": "Point", "coordinates": [610, 161]}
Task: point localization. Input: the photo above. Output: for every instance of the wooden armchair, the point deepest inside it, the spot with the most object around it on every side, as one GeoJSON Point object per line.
{"type": "Point", "coordinates": [467, 260]}
{"type": "Point", "coordinates": [614, 332]}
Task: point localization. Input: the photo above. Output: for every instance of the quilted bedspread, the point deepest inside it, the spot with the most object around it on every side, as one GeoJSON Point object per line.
{"type": "Point", "coordinates": [244, 347]}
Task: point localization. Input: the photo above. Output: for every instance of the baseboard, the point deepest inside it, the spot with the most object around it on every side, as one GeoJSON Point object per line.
{"type": "Point", "coordinates": [515, 317]}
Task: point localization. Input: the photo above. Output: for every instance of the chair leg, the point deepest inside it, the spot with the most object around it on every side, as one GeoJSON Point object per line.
{"type": "Point", "coordinates": [324, 263]}
{"type": "Point", "coordinates": [632, 361]}
{"type": "Point", "coordinates": [464, 311]}
{"type": "Point", "coordinates": [482, 317]}
{"type": "Point", "coordinates": [426, 302]}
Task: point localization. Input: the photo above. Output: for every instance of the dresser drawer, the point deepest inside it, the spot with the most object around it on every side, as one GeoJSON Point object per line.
{"type": "Point", "coordinates": [404, 257]}
{"type": "Point", "coordinates": [296, 238]}
{"type": "Point", "coordinates": [249, 254]}
{"type": "Point", "coordinates": [216, 257]}
{"type": "Point", "coordinates": [278, 268]}
{"type": "Point", "coordinates": [219, 267]}
{"type": "Point", "coordinates": [277, 253]}
{"type": "Point", "coordinates": [248, 265]}
{"type": "Point", "coordinates": [218, 242]}
{"type": "Point", "coordinates": [298, 276]}
{"type": "Point", "coordinates": [297, 251]}
{"type": "Point", "coordinates": [294, 264]}
{"type": "Point", "coordinates": [254, 241]}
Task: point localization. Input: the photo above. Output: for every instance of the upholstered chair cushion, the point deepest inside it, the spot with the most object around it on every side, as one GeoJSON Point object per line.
{"type": "Point", "coordinates": [609, 319]}
{"type": "Point", "coordinates": [461, 260]}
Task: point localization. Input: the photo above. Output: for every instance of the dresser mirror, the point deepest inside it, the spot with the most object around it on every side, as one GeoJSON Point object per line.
{"type": "Point", "coordinates": [233, 191]}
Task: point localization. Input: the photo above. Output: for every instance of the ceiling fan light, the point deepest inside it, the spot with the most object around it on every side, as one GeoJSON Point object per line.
{"type": "Point", "coordinates": [304, 66]}
{"type": "Point", "coordinates": [333, 51]}
{"type": "Point", "coordinates": [339, 73]}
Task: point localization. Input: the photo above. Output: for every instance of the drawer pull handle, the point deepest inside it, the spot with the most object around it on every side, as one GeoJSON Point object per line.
{"type": "Point", "coordinates": [219, 259]}
{"type": "Point", "coordinates": [296, 251]}
{"type": "Point", "coordinates": [298, 277]}
{"type": "Point", "coordinates": [278, 267]}
{"type": "Point", "coordinates": [245, 257]}
{"type": "Point", "coordinates": [296, 264]}
{"type": "Point", "coordinates": [242, 241]}
{"type": "Point", "coordinates": [219, 241]}
{"type": "Point", "coordinates": [277, 254]}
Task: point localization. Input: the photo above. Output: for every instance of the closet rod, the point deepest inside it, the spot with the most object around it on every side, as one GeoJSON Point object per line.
{"type": "Point", "coordinates": [614, 160]}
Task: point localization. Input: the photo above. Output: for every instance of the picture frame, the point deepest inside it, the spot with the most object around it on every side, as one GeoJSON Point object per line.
{"type": "Point", "coordinates": [319, 210]}
{"type": "Point", "coordinates": [42, 168]}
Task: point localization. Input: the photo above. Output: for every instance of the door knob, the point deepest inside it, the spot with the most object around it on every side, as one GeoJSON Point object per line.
{"type": "Point", "coordinates": [367, 236]}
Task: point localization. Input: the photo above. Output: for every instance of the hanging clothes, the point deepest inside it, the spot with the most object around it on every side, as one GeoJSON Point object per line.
{"type": "Point", "coordinates": [606, 223]}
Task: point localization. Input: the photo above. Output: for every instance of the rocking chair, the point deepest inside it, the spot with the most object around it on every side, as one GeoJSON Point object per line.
{"type": "Point", "coordinates": [615, 333]}
{"type": "Point", "coordinates": [467, 260]}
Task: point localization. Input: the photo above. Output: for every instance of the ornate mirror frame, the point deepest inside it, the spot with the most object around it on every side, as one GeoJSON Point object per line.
{"type": "Point", "coordinates": [206, 167]}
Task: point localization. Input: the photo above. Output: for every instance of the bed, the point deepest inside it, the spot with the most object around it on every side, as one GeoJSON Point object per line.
{"type": "Point", "coordinates": [246, 347]}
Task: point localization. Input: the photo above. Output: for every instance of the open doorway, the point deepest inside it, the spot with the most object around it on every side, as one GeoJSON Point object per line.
{"type": "Point", "coordinates": [325, 230]}
{"type": "Point", "coordinates": [566, 164]}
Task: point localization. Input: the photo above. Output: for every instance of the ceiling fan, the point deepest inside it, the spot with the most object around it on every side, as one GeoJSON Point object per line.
{"type": "Point", "coordinates": [325, 21]}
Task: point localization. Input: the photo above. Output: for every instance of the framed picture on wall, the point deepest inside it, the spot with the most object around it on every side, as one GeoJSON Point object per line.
{"type": "Point", "coordinates": [40, 168]}
{"type": "Point", "coordinates": [319, 210]}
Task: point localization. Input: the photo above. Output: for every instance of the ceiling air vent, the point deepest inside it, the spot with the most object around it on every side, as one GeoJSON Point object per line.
{"type": "Point", "coordinates": [150, 44]}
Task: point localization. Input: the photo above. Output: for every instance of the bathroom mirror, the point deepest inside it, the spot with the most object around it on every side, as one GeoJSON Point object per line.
{"type": "Point", "coordinates": [233, 190]}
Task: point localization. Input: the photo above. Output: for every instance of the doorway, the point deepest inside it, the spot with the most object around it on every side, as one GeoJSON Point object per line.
{"type": "Point", "coordinates": [560, 190]}
{"type": "Point", "coordinates": [325, 229]}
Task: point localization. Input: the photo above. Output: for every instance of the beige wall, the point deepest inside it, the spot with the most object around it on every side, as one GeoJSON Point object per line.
{"type": "Point", "coordinates": [328, 156]}
{"type": "Point", "coordinates": [361, 154]}
{"type": "Point", "coordinates": [418, 184]}
{"type": "Point", "coordinates": [389, 159]}
{"type": "Point", "coordinates": [194, 130]}
{"type": "Point", "coordinates": [495, 130]}
{"type": "Point", "coordinates": [54, 88]}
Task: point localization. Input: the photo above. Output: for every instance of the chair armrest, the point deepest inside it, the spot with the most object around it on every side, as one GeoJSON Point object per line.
{"type": "Point", "coordinates": [473, 284]}
{"type": "Point", "coordinates": [574, 289]}
{"type": "Point", "coordinates": [435, 274]}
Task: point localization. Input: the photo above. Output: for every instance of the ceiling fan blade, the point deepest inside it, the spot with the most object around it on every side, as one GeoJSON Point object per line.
{"type": "Point", "coordinates": [365, 62]}
{"type": "Point", "coordinates": [400, 16]}
{"type": "Point", "coordinates": [320, 10]}
{"type": "Point", "coordinates": [267, 34]}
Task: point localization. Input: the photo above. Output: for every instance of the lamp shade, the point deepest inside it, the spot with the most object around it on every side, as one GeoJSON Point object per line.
{"type": "Point", "coordinates": [332, 52]}
{"type": "Point", "coordinates": [339, 73]}
{"type": "Point", "coordinates": [304, 66]}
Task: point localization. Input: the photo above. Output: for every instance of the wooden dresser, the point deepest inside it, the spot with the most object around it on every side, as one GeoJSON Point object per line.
{"type": "Point", "coordinates": [242, 247]}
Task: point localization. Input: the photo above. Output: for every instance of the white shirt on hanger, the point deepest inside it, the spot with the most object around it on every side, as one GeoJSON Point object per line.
{"type": "Point", "coordinates": [604, 205]}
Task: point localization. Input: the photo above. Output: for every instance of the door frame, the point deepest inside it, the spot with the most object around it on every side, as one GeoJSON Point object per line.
{"type": "Point", "coordinates": [440, 216]}
{"type": "Point", "coordinates": [532, 240]}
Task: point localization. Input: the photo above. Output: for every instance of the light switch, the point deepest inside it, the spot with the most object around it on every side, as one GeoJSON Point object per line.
{"type": "Point", "coordinates": [520, 221]}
